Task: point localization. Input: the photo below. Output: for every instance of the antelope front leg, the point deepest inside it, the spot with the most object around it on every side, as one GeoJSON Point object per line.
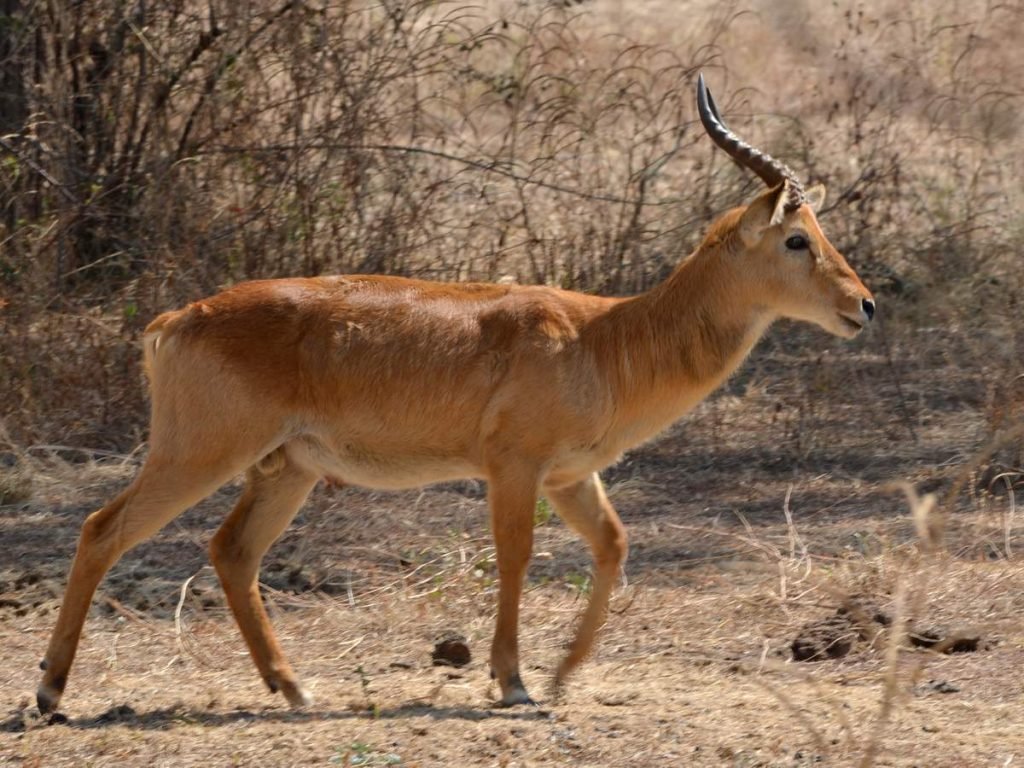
{"type": "Point", "coordinates": [512, 498]}
{"type": "Point", "coordinates": [585, 508]}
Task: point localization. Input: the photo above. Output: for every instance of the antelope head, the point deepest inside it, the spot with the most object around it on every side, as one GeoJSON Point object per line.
{"type": "Point", "coordinates": [790, 268]}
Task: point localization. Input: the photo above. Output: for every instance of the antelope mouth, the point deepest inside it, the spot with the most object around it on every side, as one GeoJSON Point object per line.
{"type": "Point", "coordinates": [855, 326]}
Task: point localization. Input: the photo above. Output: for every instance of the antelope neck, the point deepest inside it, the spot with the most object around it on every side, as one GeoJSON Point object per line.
{"type": "Point", "coordinates": [674, 344]}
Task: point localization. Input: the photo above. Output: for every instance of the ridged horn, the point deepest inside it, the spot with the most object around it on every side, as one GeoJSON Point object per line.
{"type": "Point", "coordinates": [771, 171]}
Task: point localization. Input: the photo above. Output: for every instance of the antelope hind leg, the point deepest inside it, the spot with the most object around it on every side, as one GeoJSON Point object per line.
{"type": "Point", "coordinates": [267, 506]}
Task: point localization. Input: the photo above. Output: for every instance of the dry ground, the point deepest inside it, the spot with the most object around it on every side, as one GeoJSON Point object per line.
{"type": "Point", "coordinates": [694, 665]}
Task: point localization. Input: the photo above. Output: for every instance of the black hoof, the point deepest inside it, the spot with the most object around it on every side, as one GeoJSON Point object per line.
{"type": "Point", "coordinates": [48, 694]}
{"type": "Point", "coordinates": [46, 700]}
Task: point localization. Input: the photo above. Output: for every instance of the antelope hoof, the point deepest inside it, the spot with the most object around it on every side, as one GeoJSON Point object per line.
{"type": "Point", "coordinates": [297, 696]}
{"type": "Point", "coordinates": [47, 698]}
{"type": "Point", "coordinates": [565, 669]}
{"type": "Point", "coordinates": [514, 693]}
{"type": "Point", "coordinates": [556, 691]}
{"type": "Point", "coordinates": [515, 698]}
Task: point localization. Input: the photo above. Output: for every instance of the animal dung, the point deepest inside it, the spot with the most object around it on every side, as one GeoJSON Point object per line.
{"type": "Point", "coordinates": [860, 619]}
{"type": "Point", "coordinates": [451, 650]}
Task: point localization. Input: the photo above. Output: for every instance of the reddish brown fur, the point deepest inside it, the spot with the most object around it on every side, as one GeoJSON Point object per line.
{"type": "Point", "coordinates": [389, 382]}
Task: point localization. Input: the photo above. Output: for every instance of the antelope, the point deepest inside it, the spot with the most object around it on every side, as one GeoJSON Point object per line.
{"type": "Point", "coordinates": [389, 383]}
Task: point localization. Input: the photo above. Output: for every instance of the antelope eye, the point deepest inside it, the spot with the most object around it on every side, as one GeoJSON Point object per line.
{"type": "Point", "coordinates": [797, 243]}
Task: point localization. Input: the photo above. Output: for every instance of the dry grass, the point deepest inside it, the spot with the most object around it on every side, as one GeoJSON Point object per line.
{"type": "Point", "coordinates": [498, 140]}
{"type": "Point", "coordinates": [550, 145]}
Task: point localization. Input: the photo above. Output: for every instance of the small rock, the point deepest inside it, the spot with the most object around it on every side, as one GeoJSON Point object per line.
{"type": "Point", "coordinates": [616, 699]}
{"type": "Point", "coordinates": [939, 686]}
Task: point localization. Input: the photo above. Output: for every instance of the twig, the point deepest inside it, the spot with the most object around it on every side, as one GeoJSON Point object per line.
{"type": "Point", "coordinates": [489, 167]}
{"type": "Point", "coordinates": [127, 613]}
{"type": "Point", "coordinates": [88, 451]}
{"type": "Point", "coordinates": [890, 687]}
{"type": "Point", "coordinates": [349, 648]}
{"type": "Point", "coordinates": [1010, 514]}
{"type": "Point", "coordinates": [61, 188]}
{"type": "Point", "coordinates": [898, 382]}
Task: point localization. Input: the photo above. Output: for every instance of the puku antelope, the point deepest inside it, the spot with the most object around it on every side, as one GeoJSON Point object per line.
{"type": "Point", "coordinates": [388, 382]}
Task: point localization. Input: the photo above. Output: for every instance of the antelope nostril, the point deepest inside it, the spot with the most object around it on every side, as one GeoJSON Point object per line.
{"type": "Point", "coordinates": [869, 307]}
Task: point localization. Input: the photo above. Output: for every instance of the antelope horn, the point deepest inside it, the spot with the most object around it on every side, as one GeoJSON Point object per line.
{"type": "Point", "coordinates": [771, 171]}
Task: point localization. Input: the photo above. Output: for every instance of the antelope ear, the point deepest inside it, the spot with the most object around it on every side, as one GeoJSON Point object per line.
{"type": "Point", "coordinates": [767, 210]}
{"type": "Point", "coordinates": [779, 211]}
{"type": "Point", "coordinates": [815, 197]}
